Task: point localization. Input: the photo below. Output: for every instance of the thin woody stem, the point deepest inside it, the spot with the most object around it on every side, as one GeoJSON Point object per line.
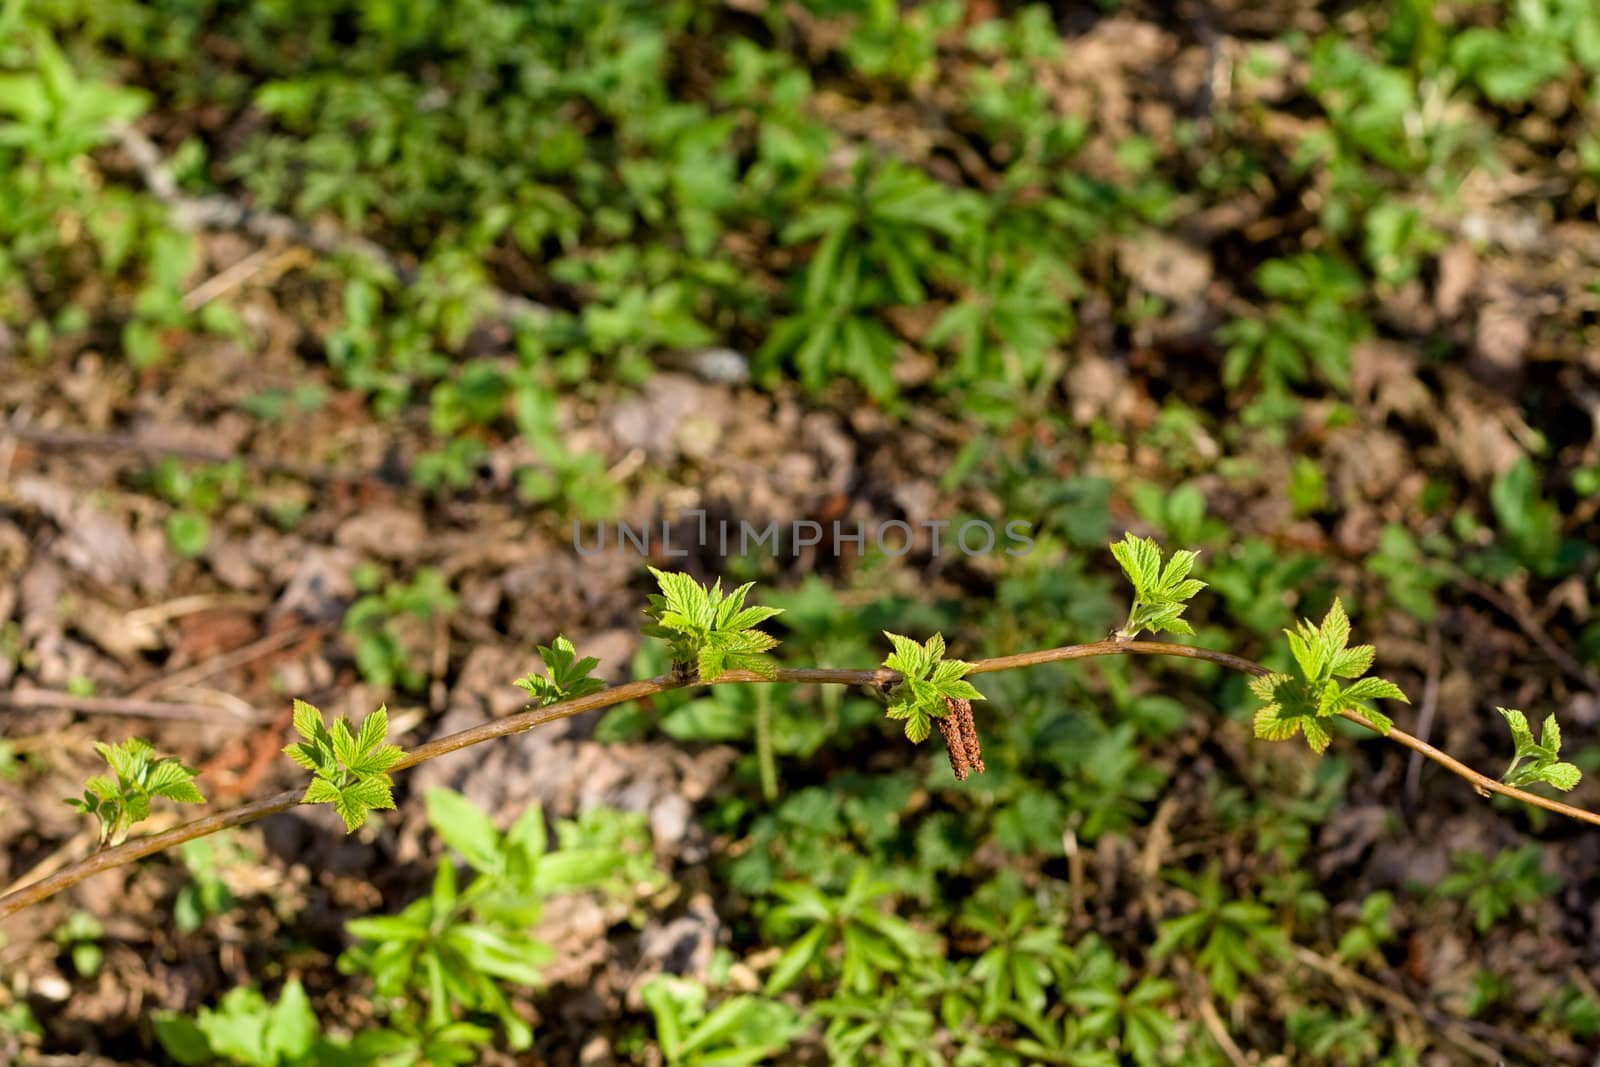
{"type": "Point", "coordinates": [876, 678]}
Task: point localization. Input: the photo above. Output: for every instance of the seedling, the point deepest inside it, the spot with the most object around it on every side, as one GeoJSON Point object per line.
{"type": "Point", "coordinates": [1230, 937]}
{"type": "Point", "coordinates": [869, 937]}
{"type": "Point", "coordinates": [381, 623]}
{"type": "Point", "coordinates": [742, 1030]}
{"type": "Point", "coordinates": [80, 936]}
{"type": "Point", "coordinates": [1494, 888]}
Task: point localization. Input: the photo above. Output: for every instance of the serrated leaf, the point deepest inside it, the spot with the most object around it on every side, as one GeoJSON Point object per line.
{"type": "Point", "coordinates": [558, 654]}
{"type": "Point", "coordinates": [1271, 725]}
{"type": "Point", "coordinates": [374, 728]}
{"type": "Point", "coordinates": [1305, 652]}
{"type": "Point", "coordinates": [961, 689]}
{"type": "Point", "coordinates": [351, 811]}
{"type": "Point", "coordinates": [907, 652]}
{"type": "Point", "coordinates": [1289, 708]}
{"type": "Point", "coordinates": [1317, 735]}
{"type": "Point", "coordinates": [750, 617]}
{"type": "Point", "coordinates": [1564, 776]}
{"type": "Point", "coordinates": [1130, 556]}
{"type": "Point", "coordinates": [378, 760]}
{"type": "Point", "coordinates": [1149, 556]}
{"type": "Point", "coordinates": [174, 781]}
{"type": "Point", "coordinates": [927, 681]}
{"type": "Point", "coordinates": [1374, 689]}
{"type": "Point", "coordinates": [354, 801]}
{"type": "Point", "coordinates": [344, 742]}
{"type": "Point", "coordinates": [120, 799]}
{"type": "Point", "coordinates": [1177, 569]}
{"type": "Point", "coordinates": [1550, 739]}
{"type": "Point", "coordinates": [302, 754]}
{"type": "Point", "coordinates": [1321, 655]}
{"type": "Point", "coordinates": [320, 791]}
{"type": "Point", "coordinates": [307, 720]}
{"type": "Point", "coordinates": [1352, 662]}
{"type": "Point", "coordinates": [949, 671]}
{"type": "Point", "coordinates": [1521, 734]}
{"type": "Point", "coordinates": [1335, 629]}
{"type": "Point", "coordinates": [375, 792]}
{"type": "Point", "coordinates": [1265, 686]}
{"type": "Point", "coordinates": [1185, 590]}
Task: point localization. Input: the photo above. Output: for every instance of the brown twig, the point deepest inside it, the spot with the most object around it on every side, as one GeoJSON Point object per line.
{"type": "Point", "coordinates": [31, 699]}
{"type": "Point", "coordinates": [1452, 1029]}
{"type": "Point", "coordinates": [1520, 614]}
{"type": "Point", "coordinates": [875, 678]}
{"type": "Point", "coordinates": [134, 445]}
{"type": "Point", "coordinates": [227, 661]}
{"type": "Point", "coordinates": [1200, 995]}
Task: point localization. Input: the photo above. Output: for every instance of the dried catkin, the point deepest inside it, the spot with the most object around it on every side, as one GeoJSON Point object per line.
{"type": "Point", "coordinates": [961, 738]}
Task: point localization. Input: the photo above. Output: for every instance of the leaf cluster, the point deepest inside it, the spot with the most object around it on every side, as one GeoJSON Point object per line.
{"type": "Point", "coordinates": [1295, 704]}
{"type": "Point", "coordinates": [1231, 937]}
{"type": "Point", "coordinates": [381, 623]}
{"type": "Point", "coordinates": [350, 768]}
{"type": "Point", "coordinates": [247, 1030]}
{"type": "Point", "coordinates": [708, 631]}
{"type": "Point", "coordinates": [460, 948]}
{"type": "Point", "coordinates": [568, 676]}
{"type": "Point", "coordinates": [138, 777]}
{"type": "Point", "coordinates": [927, 681]}
{"type": "Point", "coordinates": [1160, 594]}
{"type": "Point", "coordinates": [848, 936]}
{"type": "Point", "coordinates": [741, 1031]}
{"type": "Point", "coordinates": [1494, 888]}
{"type": "Point", "coordinates": [1545, 753]}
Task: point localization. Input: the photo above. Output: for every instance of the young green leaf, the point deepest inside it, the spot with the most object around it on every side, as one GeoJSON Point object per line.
{"type": "Point", "coordinates": [709, 631]}
{"type": "Point", "coordinates": [139, 775]}
{"type": "Point", "coordinates": [1294, 704]}
{"type": "Point", "coordinates": [568, 676]}
{"type": "Point", "coordinates": [926, 680]}
{"type": "Point", "coordinates": [349, 768]}
{"type": "Point", "coordinates": [1545, 753]}
{"type": "Point", "coordinates": [1160, 594]}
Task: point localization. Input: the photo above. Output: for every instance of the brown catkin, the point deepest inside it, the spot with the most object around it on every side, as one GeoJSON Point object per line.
{"type": "Point", "coordinates": [961, 738]}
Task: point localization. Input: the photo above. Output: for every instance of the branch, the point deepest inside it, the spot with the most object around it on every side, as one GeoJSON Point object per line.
{"type": "Point", "coordinates": [877, 679]}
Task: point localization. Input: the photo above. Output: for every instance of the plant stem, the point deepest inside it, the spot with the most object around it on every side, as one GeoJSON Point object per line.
{"type": "Point", "coordinates": [107, 859]}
